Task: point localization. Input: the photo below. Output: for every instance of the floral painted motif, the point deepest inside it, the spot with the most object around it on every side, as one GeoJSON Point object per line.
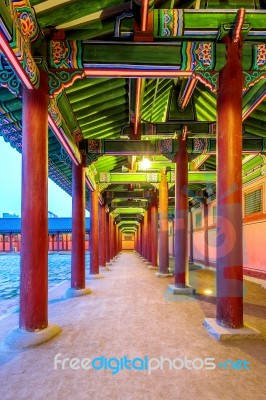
{"type": "Point", "coordinates": [77, 135]}
{"type": "Point", "coordinates": [204, 53]}
{"type": "Point", "coordinates": [27, 24]}
{"type": "Point", "coordinates": [60, 52]}
{"type": "Point", "coordinates": [198, 56]}
{"type": "Point", "coordinates": [165, 146]}
{"type": "Point", "coordinates": [201, 145]}
{"type": "Point", "coordinates": [261, 56]}
{"type": "Point", "coordinates": [150, 129]}
{"type": "Point", "coordinates": [30, 65]}
{"type": "Point", "coordinates": [65, 54]}
{"type": "Point", "coordinates": [25, 32]}
{"type": "Point", "coordinates": [95, 146]}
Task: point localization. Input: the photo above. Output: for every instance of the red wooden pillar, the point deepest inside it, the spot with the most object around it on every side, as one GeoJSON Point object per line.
{"type": "Point", "coordinates": [10, 243]}
{"type": "Point", "coordinates": [78, 227]}
{"type": "Point", "coordinates": [163, 229]}
{"type": "Point", "coordinates": [34, 257]}
{"type": "Point", "coordinates": [142, 238]}
{"type": "Point", "coordinates": [67, 242]}
{"type": "Point", "coordinates": [58, 241]}
{"type": "Point", "coordinates": [138, 240]}
{"type": "Point", "coordinates": [114, 238]}
{"type": "Point", "coordinates": [19, 243]}
{"type": "Point", "coordinates": [191, 256]}
{"type": "Point", "coordinates": [149, 244]}
{"type": "Point", "coordinates": [107, 237]}
{"type": "Point", "coordinates": [120, 240]}
{"type": "Point", "coordinates": [102, 236]}
{"type": "Point", "coordinates": [181, 215]}
{"type": "Point", "coordinates": [173, 236]}
{"type": "Point", "coordinates": [111, 233]}
{"type": "Point", "coordinates": [4, 243]}
{"type": "Point", "coordinates": [154, 231]}
{"type": "Point", "coordinates": [206, 234]}
{"type": "Point", "coordinates": [117, 239]}
{"type": "Point", "coordinates": [94, 233]}
{"type": "Point", "coordinates": [229, 191]}
{"type": "Point", "coordinates": [145, 235]}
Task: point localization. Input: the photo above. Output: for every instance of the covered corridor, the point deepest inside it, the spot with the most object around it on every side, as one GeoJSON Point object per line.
{"type": "Point", "coordinates": [131, 313]}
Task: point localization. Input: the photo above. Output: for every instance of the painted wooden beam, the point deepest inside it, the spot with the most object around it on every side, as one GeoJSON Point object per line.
{"type": "Point", "coordinates": [196, 146]}
{"type": "Point", "coordinates": [134, 72]}
{"type": "Point", "coordinates": [206, 23]}
{"type": "Point", "coordinates": [141, 177]}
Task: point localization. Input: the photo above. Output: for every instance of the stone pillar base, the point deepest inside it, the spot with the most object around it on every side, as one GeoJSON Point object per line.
{"type": "Point", "coordinates": [71, 292]}
{"type": "Point", "coordinates": [95, 276]}
{"type": "Point", "coordinates": [18, 339]}
{"type": "Point", "coordinates": [105, 268]}
{"type": "Point", "coordinates": [177, 290]}
{"type": "Point", "coordinates": [220, 333]}
{"type": "Point", "coordinates": [160, 275]}
{"type": "Point", "coordinates": [108, 264]}
{"type": "Point", "coordinates": [152, 268]}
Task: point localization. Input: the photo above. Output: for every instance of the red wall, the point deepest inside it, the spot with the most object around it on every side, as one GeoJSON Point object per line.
{"type": "Point", "coordinates": [254, 234]}
{"type": "Point", "coordinates": [64, 244]}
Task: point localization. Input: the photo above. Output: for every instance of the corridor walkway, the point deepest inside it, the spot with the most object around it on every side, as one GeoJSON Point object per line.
{"type": "Point", "coordinates": [131, 313]}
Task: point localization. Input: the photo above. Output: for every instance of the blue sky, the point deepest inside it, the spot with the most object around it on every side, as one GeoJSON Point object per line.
{"type": "Point", "coordinates": [59, 202]}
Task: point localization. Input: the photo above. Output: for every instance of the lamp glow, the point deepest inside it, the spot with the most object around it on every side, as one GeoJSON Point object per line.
{"type": "Point", "coordinates": [145, 163]}
{"type": "Point", "coordinates": [208, 292]}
